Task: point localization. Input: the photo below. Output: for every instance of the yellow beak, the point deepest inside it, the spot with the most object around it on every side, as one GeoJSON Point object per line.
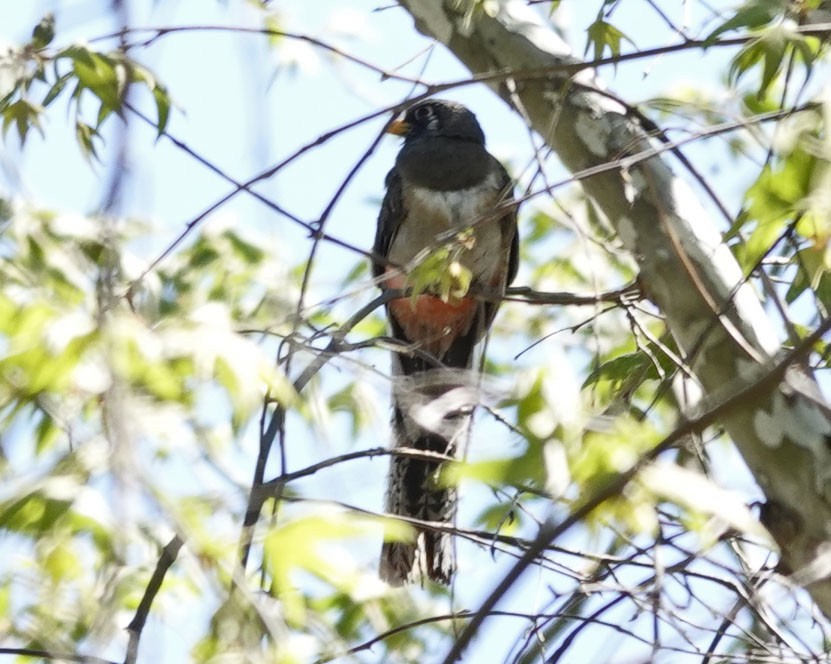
{"type": "Point", "coordinates": [399, 128]}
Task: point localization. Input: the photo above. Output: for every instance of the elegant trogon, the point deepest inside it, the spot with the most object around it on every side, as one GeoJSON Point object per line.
{"type": "Point", "coordinates": [447, 232]}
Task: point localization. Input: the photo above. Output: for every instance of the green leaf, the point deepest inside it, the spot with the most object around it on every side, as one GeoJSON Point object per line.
{"type": "Point", "coordinates": [610, 448]}
{"type": "Point", "coordinates": [814, 272]}
{"type": "Point", "coordinates": [303, 544]}
{"type": "Point", "coordinates": [780, 193]}
{"type": "Point", "coordinates": [38, 511]}
{"type": "Point", "coordinates": [349, 401]}
{"type": "Point", "coordinates": [441, 273]}
{"type": "Point", "coordinates": [604, 35]}
{"type": "Point", "coordinates": [249, 252]}
{"type": "Point", "coordinates": [752, 15]}
{"type": "Point", "coordinates": [272, 23]}
{"type": "Point", "coordinates": [160, 95]}
{"type": "Point", "coordinates": [56, 89]}
{"type": "Point", "coordinates": [700, 494]}
{"type": "Point", "coordinates": [620, 369]}
{"type": "Point", "coordinates": [46, 432]}
{"type": "Point", "coordinates": [61, 561]}
{"type": "Point", "coordinates": [162, 108]}
{"type": "Point", "coordinates": [769, 51]}
{"type": "Point", "coordinates": [357, 272]}
{"type": "Point", "coordinates": [527, 468]}
{"type": "Point", "coordinates": [44, 32]}
{"type": "Point", "coordinates": [24, 115]}
{"type": "Point", "coordinates": [102, 75]}
{"type": "Point", "coordinates": [86, 135]}
{"type": "Point", "coordinates": [502, 517]}
{"type": "Point", "coordinates": [203, 254]}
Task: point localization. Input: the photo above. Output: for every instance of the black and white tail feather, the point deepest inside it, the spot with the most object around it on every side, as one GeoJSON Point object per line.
{"type": "Point", "coordinates": [432, 412]}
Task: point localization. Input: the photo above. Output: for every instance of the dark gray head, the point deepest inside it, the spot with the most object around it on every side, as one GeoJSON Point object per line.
{"type": "Point", "coordinates": [444, 146]}
{"type": "Point", "coordinates": [438, 117]}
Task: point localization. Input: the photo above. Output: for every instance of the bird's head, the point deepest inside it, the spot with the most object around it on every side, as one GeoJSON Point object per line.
{"type": "Point", "coordinates": [438, 117]}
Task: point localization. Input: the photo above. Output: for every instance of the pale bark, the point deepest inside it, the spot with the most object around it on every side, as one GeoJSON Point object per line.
{"type": "Point", "coordinates": [686, 269]}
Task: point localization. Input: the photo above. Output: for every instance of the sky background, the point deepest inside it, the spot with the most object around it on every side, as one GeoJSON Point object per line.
{"type": "Point", "coordinates": [244, 107]}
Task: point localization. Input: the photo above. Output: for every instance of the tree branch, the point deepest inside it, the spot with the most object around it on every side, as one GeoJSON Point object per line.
{"type": "Point", "coordinates": [166, 559]}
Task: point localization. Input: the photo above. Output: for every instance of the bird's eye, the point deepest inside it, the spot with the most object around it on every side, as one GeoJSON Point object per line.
{"type": "Point", "coordinates": [423, 113]}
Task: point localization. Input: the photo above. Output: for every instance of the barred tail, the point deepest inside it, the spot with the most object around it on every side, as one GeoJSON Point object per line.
{"type": "Point", "coordinates": [432, 413]}
{"type": "Point", "coordinates": [414, 490]}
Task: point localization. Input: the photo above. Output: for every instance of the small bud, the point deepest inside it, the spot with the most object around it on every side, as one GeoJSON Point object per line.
{"type": "Point", "coordinates": [44, 32]}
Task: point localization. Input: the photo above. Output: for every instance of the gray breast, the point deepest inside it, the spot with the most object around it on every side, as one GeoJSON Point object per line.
{"type": "Point", "coordinates": [429, 213]}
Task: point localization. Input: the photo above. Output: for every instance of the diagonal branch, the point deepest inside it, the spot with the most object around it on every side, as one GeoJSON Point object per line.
{"type": "Point", "coordinates": [136, 626]}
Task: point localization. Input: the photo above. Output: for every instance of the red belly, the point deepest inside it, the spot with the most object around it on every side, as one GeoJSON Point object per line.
{"type": "Point", "coordinates": [429, 322]}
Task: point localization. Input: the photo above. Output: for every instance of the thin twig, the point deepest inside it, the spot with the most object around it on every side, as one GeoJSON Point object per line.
{"type": "Point", "coordinates": [166, 559]}
{"type": "Point", "coordinates": [62, 656]}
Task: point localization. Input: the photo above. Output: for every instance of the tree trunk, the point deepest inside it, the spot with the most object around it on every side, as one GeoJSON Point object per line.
{"type": "Point", "coordinates": [685, 268]}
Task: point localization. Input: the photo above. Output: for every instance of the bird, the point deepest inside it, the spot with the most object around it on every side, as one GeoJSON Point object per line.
{"type": "Point", "coordinates": [447, 232]}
